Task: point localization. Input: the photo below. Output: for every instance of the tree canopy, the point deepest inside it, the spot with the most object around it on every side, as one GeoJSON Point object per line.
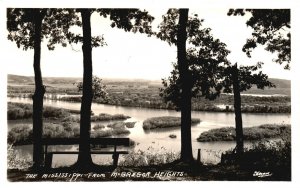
{"type": "Point", "coordinates": [271, 28]}
{"type": "Point", "coordinates": [55, 27]}
{"type": "Point", "coordinates": [99, 89]}
{"type": "Point", "coordinates": [247, 76]}
{"type": "Point", "coordinates": [206, 58]}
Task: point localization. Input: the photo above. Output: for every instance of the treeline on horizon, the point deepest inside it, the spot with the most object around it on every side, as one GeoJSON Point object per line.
{"type": "Point", "coordinates": [136, 95]}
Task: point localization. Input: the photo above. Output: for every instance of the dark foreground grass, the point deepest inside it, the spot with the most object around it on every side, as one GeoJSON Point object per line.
{"type": "Point", "coordinates": [271, 159]}
{"type": "Point", "coordinates": [174, 171]}
{"type": "Point", "coordinates": [164, 122]}
{"type": "Point", "coordinates": [250, 133]}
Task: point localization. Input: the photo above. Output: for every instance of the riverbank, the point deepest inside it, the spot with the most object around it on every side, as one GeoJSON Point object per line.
{"type": "Point", "coordinates": [250, 104]}
{"type": "Point", "coordinates": [250, 133]}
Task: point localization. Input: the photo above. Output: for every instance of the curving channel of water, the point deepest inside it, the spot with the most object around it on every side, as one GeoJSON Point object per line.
{"type": "Point", "coordinates": [159, 140]}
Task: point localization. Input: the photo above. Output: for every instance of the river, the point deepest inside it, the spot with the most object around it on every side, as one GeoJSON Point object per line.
{"type": "Point", "coordinates": [159, 140]}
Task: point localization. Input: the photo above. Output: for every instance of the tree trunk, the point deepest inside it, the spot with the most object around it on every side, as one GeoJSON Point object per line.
{"type": "Point", "coordinates": [237, 111]}
{"type": "Point", "coordinates": [184, 76]}
{"type": "Point", "coordinates": [84, 157]}
{"type": "Point", "coordinates": [37, 116]}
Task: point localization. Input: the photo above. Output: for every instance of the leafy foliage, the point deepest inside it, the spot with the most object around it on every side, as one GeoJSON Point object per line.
{"type": "Point", "coordinates": [206, 59]}
{"type": "Point", "coordinates": [15, 160]}
{"type": "Point", "coordinates": [99, 89]}
{"type": "Point", "coordinates": [109, 117]}
{"type": "Point", "coordinates": [133, 20]}
{"type": "Point", "coordinates": [20, 134]}
{"type": "Point", "coordinates": [149, 157]}
{"type": "Point", "coordinates": [247, 77]}
{"type": "Point", "coordinates": [209, 79]}
{"type": "Point", "coordinates": [55, 27]}
{"type": "Point", "coordinates": [24, 111]}
{"type": "Point", "coordinates": [271, 27]}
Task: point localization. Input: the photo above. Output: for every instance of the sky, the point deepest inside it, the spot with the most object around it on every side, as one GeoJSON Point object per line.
{"type": "Point", "coordinates": [134, 56]}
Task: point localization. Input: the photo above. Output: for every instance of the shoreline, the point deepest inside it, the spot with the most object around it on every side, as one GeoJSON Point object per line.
{"type": "Point", "coordinates": [261, 109]}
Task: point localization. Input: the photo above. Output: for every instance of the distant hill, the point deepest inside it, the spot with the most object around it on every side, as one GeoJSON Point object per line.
{"type": "Point", "coordinates": [281, 83]}
{"type": "Point", "coordinates": [283, 87]}
{"type": "Point", "coordinates": [29, 80]}
{"type": "Point", "coordinates": [16, 79]}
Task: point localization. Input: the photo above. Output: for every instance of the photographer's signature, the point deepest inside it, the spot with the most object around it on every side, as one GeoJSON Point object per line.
{"type": "Point", "coordinates": [261, 174]}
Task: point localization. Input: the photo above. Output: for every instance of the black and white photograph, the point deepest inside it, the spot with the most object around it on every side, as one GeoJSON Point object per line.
{"type": "Point", "coordinates": [113, 94]}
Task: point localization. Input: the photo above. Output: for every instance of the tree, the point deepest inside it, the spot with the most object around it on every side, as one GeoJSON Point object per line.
{"type": "Point", "coordinates": [238, 80]}
{"type": "Point", "coordinates": [197, 70]}
{"type": "Point", "coordinates": [127, 19]}
{"type": "Point", "coordinates": [272, 29]}
{"type": "Point", "coordinates": [99, 89]}
{"type": "Point", "coordinates": [184, 77]}
{"type": "Point", "coordinates": [28, 28]}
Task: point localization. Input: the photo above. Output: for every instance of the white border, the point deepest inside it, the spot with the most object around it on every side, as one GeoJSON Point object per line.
{"type": "Point", "coordinates": [295, 9]}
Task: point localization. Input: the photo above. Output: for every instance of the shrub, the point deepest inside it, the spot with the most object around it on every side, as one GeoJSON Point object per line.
{"type": "Point", "coordinates": [18, 111]}
{"type": "Point", "coordinates": [165, 121]}
{"type": "Point", "coordinates": [130, 124]}
{"type": "Point", "coordinates": [14, 161]}
{"type": "Point", "coordinates": [117, 125]}
{"type": "Point", "coordinates": [24, 111]}
{"type": "Point", "coordinates": [149, 157]}
{"type": "Point", "coordinates": [273, 156]}
{"type": "Point", "coordinates": [71, 118]}
{"type": "Point", "coordinates": [20, 135]}
{"type": "Point", "coordinates": [107, 117]}
{"type": "Point", "coordinates": [98, 126]}
{"type": "Point", "coordinates": [50, 112]}
{"type": "Point", "coordinates": [55, 131]}
{"type": "Point", "coordinates": [111, 132]}
{"type": "Point", "coordinates": [172, 136]}
{"type": "Point", "coordinates": [250, 133]}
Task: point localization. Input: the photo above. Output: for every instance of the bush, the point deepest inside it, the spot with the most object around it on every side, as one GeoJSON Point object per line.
{"type": "Point", "coordinates": [50, 112]}
{"type": "Point", "coordinates": [71, 119]}
{"type": "Point", "coordinates": [18, 111]}
{"type": "Point", "coordinates": [165, 121]}
{"type": "Point", "coordinates": [108, 117]}
{"type": "Point", "coordinates": [55, 131]}
{"type": "Point", "coordinates": [98, 126]}
{"type": "Point", "coordinates": [117, 125]}
{"type": "Point", "coordinates": [121, 125]}
{"type": "Point", "coordinates": [20, 135]}
{"type": "Point", "coordinates": [107, 133]}
{"type": "Point", "coordinates": [130, 124]}
{"type": "Point", "coordinates": [250, 133]}
{"type": "Point", "coordinates": [14, 161]}
{"type": "Point", "coordinates": [24, 111]}
{"type": "Point", "coordinates": [271, 156]}
{"type": "Point", "coordinates": [149, 157]}
{"type": "Point", "coordinates": [172, 136]}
